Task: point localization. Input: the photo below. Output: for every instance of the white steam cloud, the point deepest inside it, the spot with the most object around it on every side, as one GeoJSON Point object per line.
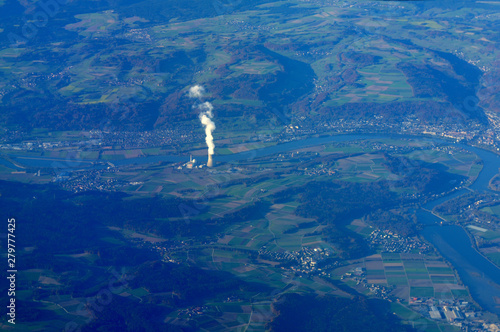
{"type": "Point", "coordinates": [207, 108]}
{"type": "Point", "coordinates": [196, 91]}
{"type": "Point", "coordinates": [209, 127]}
{"type": "Point", "coordinates": [205, 116]}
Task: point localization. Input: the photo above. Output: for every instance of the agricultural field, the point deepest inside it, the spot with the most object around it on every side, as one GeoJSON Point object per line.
{"type": "Point", "coordinates": [413, 276]}
{"type": "Point", "coordinates": [457, 161]}
{"type": "Point", "coordinates": [366, 167]}
{"type": "Point", "coordinates": [484, 233]}
{"type": "Point", "coordinates": [491, 237]}
{"type": "Point", "coordinates": [419, 321]}
{"type": "Point", "coordinates": [495, 210]}
{"type": "Point", "coordinates": [281, 230]}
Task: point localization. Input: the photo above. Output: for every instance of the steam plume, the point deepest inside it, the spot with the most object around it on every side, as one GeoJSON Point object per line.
{"type": "Point", "coordinates": [206, 108]}
{"type": "Point", "coordinates": [205, 118]}
{"type": "Point", "coordinates": [196, 91]}
{"type": "Point", "coordinates": [209, 127]}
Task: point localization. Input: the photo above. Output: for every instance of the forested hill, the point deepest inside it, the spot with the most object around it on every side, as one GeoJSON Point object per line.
{"type": "Point", "coordinates": [263, 63]}
{"type": "Point", "coordinates": [328, 313]}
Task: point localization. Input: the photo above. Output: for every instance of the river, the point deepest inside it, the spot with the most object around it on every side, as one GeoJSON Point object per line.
{"type": "Point", "coordinates": [69, 164]}
{"type": "Point", "coordinates": [476, 272]}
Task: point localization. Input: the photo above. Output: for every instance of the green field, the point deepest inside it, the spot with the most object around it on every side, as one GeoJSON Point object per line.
{"type": "Point", "coordinates": [495, 210]}
{"type": "Point", "coordinates": [415, 278]}
{"type": "Point", "coordinates": [421, 292]}
{"type": "Point", "coordinates": [494, 257]}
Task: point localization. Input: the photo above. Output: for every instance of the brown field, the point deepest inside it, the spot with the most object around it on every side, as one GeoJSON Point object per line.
{"type": "Point", "coordinates": [420, 282]}
{"type": "Point", "coordinates": [225, 239]}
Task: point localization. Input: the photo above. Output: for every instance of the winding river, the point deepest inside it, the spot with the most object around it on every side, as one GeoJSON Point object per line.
{"type": "Point", "coordinates": [476, 272]}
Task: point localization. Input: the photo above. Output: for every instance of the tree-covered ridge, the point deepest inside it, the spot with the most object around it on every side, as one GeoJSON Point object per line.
{"type": "Point", "coordinates": [189, 285]}
{"type": "Point", "coordinates": [324, 314]}
{"type": "Point", "coordinates": [421, 176]}
{"type": "Point", "coordinates": [337, 203]}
